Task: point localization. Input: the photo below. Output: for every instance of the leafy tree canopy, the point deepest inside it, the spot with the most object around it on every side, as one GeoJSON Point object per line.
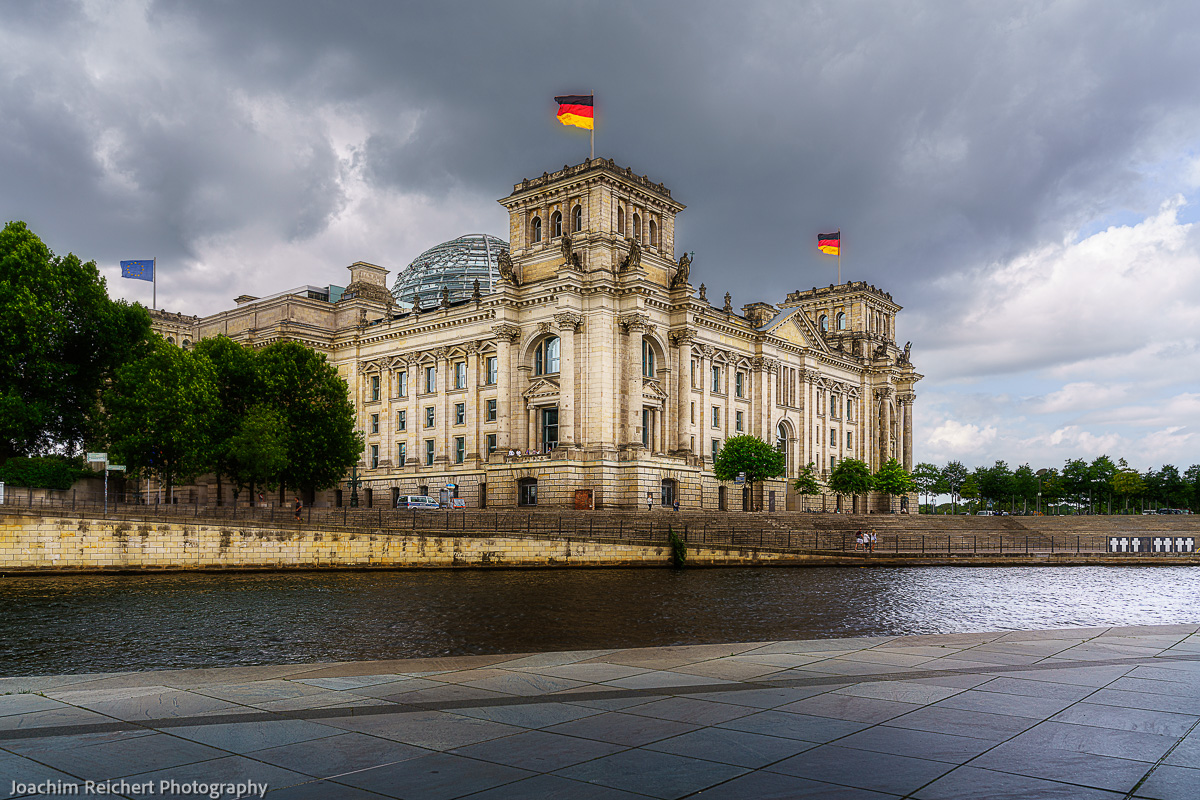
{"type": "Point", "coordinates": [893, 479]}
{"type": "Point", "coordinates": [851, 476]}
{"type": "Point", "coordinates": [806, 481]}
{"type": "Point", "coordinates": [751, 455]}
{"type": "Point", "coordinates": [61, 338]}
{"type": "Point", "coordinates": [46, 472]}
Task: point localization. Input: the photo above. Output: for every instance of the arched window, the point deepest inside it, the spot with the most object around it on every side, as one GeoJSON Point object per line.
{"type": "Point", "coordinates": [186, 344]}
{"type": "Point", "coordinates": [555, 225]}
{"type": "Point", "coordinates": [170, 340]}
{"type": "Point", "coordinates": [637, 227]}
{"type": "Point", "coordinates": [577, 219]}
{"type": "Point", "coordinates": [823, 322]}
{"type": "Point", "coordinates": [653, 234]}
{"type": "Point", "coordinates": [535, 229]}
{"type": "Point", "coordinates": [781, 437]}
{"type": "Point", "coordinates": [621, 221]}
{"type": "Point", "coordinates": [841, 321]}
{"type": "Point", "coordinates": [648, 359]}
{"type": "Point", "coordinates": [545, 358]}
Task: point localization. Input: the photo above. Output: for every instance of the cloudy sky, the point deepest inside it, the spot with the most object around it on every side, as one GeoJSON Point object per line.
{"type": "Point", "coordinates": [1023, 177]}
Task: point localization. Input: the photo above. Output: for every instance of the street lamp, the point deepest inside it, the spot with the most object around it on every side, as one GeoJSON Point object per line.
{"type": "Point", "coordinates": [1040, 474]}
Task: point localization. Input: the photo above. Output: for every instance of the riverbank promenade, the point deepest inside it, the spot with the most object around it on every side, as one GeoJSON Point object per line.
{"type": "Point", "coordinates": [1075, 713]}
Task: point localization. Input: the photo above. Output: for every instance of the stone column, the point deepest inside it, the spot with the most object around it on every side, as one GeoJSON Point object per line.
{"type": "Point", "coordinates": [681, 428]}
{"type": "Point", "coordinates": [568, 323]}
{"type": "Point", "coordinates": [412, 412]}
{"type": "Point", "coordinates": [443, 444]}
{"type": "Point", "coordinates": [703, 420]}
{"type": "Point", "coordinates": [885, 425]}
{"type": "Point", "coordinates": [906, 410]}
{"type": "Point", "coordinates": [476, 448]}
{"type": "Point", "coordinates": [635, 326]}
{"type": "Point", "coordinates": [506, 372]}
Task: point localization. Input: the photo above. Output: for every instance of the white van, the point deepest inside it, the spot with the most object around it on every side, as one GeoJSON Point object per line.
{"type": "Point", "coordinates": [416, 501]}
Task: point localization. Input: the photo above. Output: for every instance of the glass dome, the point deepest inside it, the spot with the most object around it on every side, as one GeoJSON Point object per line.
{"type": "Point", "coordinates": [456, 264]}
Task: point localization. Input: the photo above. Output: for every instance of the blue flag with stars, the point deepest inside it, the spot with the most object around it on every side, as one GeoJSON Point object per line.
{"type": "Point", "coordinates": [138, 270]}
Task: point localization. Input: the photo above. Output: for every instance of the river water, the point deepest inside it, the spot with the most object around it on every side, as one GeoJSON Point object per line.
{"type": "Point", "coordinates": [100, 623]}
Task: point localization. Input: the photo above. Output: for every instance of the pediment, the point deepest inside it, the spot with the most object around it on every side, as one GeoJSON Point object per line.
{"type": "Point", "coordinates": [797, 329]}
{"type": "Point", "coordinates": [651, 388]}
{"type": "Point", "coordinates": [542, 387]}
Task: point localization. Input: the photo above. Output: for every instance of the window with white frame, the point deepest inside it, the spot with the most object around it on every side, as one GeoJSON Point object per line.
{"type": "Point", "coordinates": [402, 383]}
{"type": "Point", "coordinates": [429, 417]}
{"type": "Point", "coordinates": [374, 387]}
{"type": "Point", "coordinates": [493, 371]}
{"type": "Point", "coordinates": [545, 357]}
{"type": "Point", "coordinates": [460, 449]}
{"type": "Point", "coordinates": [491, 410]}
{"type": "Point", "coordinates": [737, 421]}
{"type": "Point", "coordinates": [648, 359]}
{"type": "Point", "coordinates": [431, 379]}
{"type": "Point", "coordinates": [429, 452]}
{"type": "Point", "coordinates": [401, 420]}
{"type": "Point", "coordinates": [374, 423]}
{"type": "Point", "coordinates": [460, 375]}
{"type": "Point", "coordinates": [716, 378]}
{"type": "Point", "coordinates": [460, 413]}
{"type": "Point", "coordinates": [374, 456]}
{"type": "Point", "coordinates": [716, 416]}
{"type": "Point", "coordinates": [739, 381]}
{"type": "Point", "coordinates": [401, 453]}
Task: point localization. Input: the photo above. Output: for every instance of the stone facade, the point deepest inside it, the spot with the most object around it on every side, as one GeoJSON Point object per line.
{"type": "Point", "coordinates": [594, 364]}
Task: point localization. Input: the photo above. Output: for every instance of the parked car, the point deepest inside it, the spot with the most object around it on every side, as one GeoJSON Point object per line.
{"type": "Point", "coordinates": [985, 513]}
{"type": "Point", "coordinates": [417, 501]}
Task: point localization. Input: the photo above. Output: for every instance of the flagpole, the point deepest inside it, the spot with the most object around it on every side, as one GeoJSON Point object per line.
{"type": "Point", "coordinates": [154, 279]}
{"type": "Point", "coordinates": [839, 257]}
{"type": "Point", "coordinates": [593, 124]}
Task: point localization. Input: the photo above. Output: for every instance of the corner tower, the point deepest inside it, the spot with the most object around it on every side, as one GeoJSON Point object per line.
{"type": "Point", "coordinates": [593, 217]}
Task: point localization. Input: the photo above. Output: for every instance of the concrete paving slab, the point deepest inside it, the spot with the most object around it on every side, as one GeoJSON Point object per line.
{"type": "Point", "coordinates": [1078, 713]}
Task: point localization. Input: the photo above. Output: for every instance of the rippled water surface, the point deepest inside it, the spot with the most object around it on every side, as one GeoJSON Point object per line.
{"type": "Point", "coordinates": [120, 622]}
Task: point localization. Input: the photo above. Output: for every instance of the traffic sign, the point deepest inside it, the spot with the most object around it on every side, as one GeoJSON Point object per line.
{"type": "Point", "coordinates": [117, 467]}
{"type": "Point", "coordinates": [93, 457]}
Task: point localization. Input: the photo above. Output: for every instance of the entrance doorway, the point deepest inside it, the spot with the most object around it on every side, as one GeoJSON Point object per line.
{"type": "Point", "coordinates": [721, 498]}
{"type": "Point", "coordinates": [668, 492]}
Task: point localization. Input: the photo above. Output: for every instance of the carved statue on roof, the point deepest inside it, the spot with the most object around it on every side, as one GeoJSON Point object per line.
{"type": "Point", "coordinates": [569, 254]}
{"type": "Point", "coordinates": [681, 274]}
{"type": "Point", "coordinates": [445, 296]}
{"type": "Point", "coordinates": [704, 292]}
{"type": "Point", "coordinates": [633, 259]}
{"type": "Point", "coordinates": [728, 303]}
{"type": "Point", "coordinates": [904, 357]}
{"type": "Point", "coordinates": [505, 267]}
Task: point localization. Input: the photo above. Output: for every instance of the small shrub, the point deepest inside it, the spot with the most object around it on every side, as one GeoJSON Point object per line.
{"type": "Point", "coordinates": [678, 548]}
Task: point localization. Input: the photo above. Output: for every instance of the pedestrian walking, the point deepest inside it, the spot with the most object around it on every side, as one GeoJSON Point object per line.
{"type": "Point", "coordinates": [676, 504]}
{"type": "Point", "coordinates": [298, 507]}
{"type": "Point", "coordinates": [873, 540]}
{"type": "Point", "coordinates": [858, 540]}
{"type": "Point", "coordinates": [649, 501]}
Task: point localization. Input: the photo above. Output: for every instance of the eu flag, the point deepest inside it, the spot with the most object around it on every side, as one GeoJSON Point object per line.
{"type": "Point", "coordinates": [138, 270]}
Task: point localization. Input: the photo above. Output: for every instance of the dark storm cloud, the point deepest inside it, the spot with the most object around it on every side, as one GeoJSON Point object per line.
{"type": "Point", "coordinates": [937, 136]}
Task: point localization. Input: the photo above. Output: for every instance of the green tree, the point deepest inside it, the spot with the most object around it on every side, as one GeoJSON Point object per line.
{"type": "Point", "coordinates": [969, 489]}
{"type": "Point", "coordinates": [806, 481]}
{"type": "Point", "coordinates": [60, 340]}
{"type": "Point", "coordinates": [893, 479]}
{"type": "Point", "coordinates": [851, 476]}
{"type": "Point", "coordinates": [1192, 477]}
{"type": "Point", "coordinates": [1076, 480]}
{"type": "Point", "coordinates": [256, 454]}
{"type": "Point", "coordinates": [928, 479]}
{"type": "Point", "coordinates": [954, 474]}
{"type": "Point", "coordinates": [995, 482]}
{"type": "Point", "coordinates": [314, 404]}
{"type": "Point", "coordinates": [750, 455]}
{"type": "Point", "coordinates": [1100, 474]}
{"type": "Point", "coordinates": [1025, 484]}
{"type": "Point", "coordinates": [44, 472]}
{"type": "Point", "coordinates": [235, 371]}
{"type": "Point", "coordinates": [161, 409]}
{"type": "Point", "coordinates": [1127, 482]}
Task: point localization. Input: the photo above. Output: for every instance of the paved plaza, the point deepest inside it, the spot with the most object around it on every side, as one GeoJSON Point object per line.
{"type": "Point", "coordinates": [1079, 713]}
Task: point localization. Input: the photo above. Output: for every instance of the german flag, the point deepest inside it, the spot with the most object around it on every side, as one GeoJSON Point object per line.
{"type": "Point", "coordinates": [575, 109]}
{"type": "Point", "coordinates": [830, 243]}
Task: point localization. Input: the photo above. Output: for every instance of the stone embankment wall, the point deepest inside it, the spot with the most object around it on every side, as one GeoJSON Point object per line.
{"type": "Point", "coordinates": [74, 543]}
{"type": "Point", "coordinates": [31, 543]}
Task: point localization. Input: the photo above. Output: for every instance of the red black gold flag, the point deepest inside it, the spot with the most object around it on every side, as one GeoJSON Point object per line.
{"type": "Point", "coordinates": [575, 109]}
{"type": "Point", "coordinates": [830, 243]}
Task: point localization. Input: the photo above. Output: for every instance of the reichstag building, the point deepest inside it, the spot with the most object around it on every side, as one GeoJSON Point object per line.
{"type": "Point", "coordinates": [576, 364]}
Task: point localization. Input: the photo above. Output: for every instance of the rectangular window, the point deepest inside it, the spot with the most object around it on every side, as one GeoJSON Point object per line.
{"type": "Point", "coordinates": [491, 410]}
{"type": "Point", "coordinates": [460, 375]}
{"type": "Point", "coordinates": [716, 447]}
{"type": "Point", "coordinates": [693, 413]}
{"type": "Point", "coordinates": [492, 370]}
{"type": "Point", "coordinates": [429, 417]}
{"type": "Point", "coordinates": [460, 449]}
{"type": "Point", "coordinates": [374, 456]}
{"type": "Point", "coordinates": [374, 387]}
{"type": "Point", "coordinates": [460, 413]}
{"type": "Point", "coordinates": [849, 440]}
{"type": "Point", "coordinates": [716, 417]}
{"type": "Point", "coordinates": [849, 410]}
{"type": "Point", "coordinates": [374, 423]}
{"type": "Point", "coordinates": [401, 420]}
{"type": "Point", "coordinates": [738, 422]}
{"type": "Point", "coordinates": [739, 381]}
{"type": "Point", "coordinates": [402, 383]}
{"type": "Point", "coordinates": [646, 428]}
{"type": "Point", "coordinates": [716, 379]}
{"type": "Point", "coordinates": [429, 452]}
{"type": "Point", "coordinates": [431, 379]}
{"type": "Point", "coordinates": [694, 386]}
{"type": "Point", "coordinates": [648, 360]}
{"type": "Point", "coordinates": [550, 427]}
{"type": "Point", "coordinates": [401, 453]}
{"type": "Point", "coordinates": [832, 462]}
{"type": "Point", "coordinates": [491, 443]}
